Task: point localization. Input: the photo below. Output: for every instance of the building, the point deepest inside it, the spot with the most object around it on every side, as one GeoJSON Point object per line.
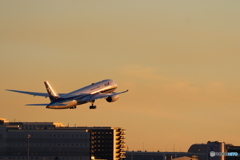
{"type": "Point", "coordinates": [55, 141]}
{"type": "Point", "coordinates": [235, 149]}
{"type": "Point", "coordinates": [106, 142]}
{"type": "Point", "coordinates": [139, 155]}
{"type": "Point", "coordinates": [186, 158]}
{"type": "Point", "coordinates": [216, 146]}
{"type": "Point", "coordinates": [195, 152]}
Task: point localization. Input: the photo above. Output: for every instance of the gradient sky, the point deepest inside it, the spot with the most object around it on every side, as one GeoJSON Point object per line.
{"type": "Point", "coordinates": [180, 61]}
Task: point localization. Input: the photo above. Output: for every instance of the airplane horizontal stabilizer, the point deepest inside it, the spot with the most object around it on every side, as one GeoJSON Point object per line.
{"type": "Point", "coordinates": [37, 104]}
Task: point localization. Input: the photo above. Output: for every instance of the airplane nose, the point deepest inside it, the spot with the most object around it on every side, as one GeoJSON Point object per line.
{"type": "Point", "coordinates": [115, 84]}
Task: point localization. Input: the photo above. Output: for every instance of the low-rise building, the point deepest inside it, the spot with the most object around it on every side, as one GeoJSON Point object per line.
{"type": "Point", "coordinates": [55, 141]}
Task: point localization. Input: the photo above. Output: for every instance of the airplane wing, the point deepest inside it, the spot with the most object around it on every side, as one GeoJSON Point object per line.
{"type": "Point", "coordinates": [33, 93]}
{"type": "Point", "coordinates": [92, 97]}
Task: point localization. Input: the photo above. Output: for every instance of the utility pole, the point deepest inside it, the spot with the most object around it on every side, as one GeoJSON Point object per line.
{"type": "Point", "coordinates": [28, 136]}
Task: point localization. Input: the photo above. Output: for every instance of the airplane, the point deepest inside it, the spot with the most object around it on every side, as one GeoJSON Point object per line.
{"type": "Point", "coordinates": [90, 93]}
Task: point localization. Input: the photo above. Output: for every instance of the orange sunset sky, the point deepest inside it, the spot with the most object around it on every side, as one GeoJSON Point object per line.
{"type": "Point", "coordinates": [180, 61]}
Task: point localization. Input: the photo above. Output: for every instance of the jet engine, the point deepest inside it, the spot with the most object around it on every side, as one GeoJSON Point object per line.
{"type": "Point", "coordinates": [112, 98]}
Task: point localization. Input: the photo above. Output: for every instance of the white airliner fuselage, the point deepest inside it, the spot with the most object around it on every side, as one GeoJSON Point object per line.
{"type": "Point", "coordinates": [98, 90]}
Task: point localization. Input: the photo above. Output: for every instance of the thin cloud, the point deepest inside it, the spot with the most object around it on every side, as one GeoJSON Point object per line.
{"type": "Point", "coordinates": [178, 91]}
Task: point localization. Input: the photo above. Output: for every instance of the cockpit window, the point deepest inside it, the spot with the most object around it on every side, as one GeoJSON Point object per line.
{"type": "Point", "coordinates": [106, 84]}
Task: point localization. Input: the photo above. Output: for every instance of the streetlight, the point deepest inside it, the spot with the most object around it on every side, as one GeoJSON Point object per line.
{"type": "Point", "coordinates": [28, 136]}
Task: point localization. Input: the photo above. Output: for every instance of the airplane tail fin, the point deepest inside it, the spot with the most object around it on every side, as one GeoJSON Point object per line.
{"type": "Point", "coordinates": [52, 94]}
